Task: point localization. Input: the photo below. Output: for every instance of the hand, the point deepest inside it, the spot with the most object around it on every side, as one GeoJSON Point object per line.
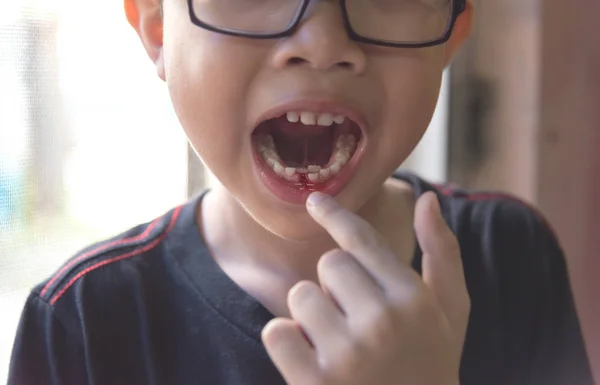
{"type": "Point", "coordinates": [374, 320]}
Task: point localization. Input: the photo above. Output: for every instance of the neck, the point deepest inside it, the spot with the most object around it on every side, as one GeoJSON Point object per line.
{"type": "Point", "coordinates": [236, 239]}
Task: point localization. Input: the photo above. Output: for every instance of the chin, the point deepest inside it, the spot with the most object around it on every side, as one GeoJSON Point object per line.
{"type": "Point", "coordinates": [298, 227]}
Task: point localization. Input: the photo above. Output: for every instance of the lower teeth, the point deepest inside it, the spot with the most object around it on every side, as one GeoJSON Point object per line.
{"type": "Point", "coordinates": [344, 148]}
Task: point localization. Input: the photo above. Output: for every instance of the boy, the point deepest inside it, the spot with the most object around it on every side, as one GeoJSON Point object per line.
{"type": "Point", "coordinates": [266, 279]}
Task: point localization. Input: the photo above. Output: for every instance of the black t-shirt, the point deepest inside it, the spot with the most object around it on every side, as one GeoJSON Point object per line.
{"type": "Point", "coordinates": [151, 307]}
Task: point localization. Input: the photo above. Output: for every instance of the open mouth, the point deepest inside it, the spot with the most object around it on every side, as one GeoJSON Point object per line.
{"type": "Point", "coordinates": [307, 150]}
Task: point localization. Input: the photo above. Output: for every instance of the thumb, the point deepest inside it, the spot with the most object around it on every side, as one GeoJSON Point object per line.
{"type": "Point", "coordinates": [442, 263]}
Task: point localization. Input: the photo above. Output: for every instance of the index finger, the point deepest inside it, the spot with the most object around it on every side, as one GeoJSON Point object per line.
{"type": "Point", "coordinates": [356, 236]}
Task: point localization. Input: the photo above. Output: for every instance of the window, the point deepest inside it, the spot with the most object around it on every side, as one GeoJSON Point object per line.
{"type": "Point", "coordinates": [89, 145]}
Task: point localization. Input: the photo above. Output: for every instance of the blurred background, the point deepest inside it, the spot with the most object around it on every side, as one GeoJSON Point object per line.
{"type": "Point", "coordinates": [89, 144]}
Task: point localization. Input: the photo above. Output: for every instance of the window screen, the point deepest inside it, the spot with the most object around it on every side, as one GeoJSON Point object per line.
{"type": "Point", "coordinates": [89, 144]}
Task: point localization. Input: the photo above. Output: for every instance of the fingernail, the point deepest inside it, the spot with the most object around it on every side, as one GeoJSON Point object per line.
{"type": "Point", "coordinates": [315, 199]}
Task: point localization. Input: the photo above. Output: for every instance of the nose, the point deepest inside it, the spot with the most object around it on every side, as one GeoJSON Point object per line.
{"type": "Point", "coordinates": [321, 42]}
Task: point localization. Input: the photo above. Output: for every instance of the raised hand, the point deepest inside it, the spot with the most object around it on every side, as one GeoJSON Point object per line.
{"type": "Point", "coordinates": [374, 320]}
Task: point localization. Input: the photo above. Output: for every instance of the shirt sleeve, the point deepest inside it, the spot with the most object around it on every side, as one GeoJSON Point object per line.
{"type": "Point", "coordinates": [45, 352]}
{"type": "Point", "coordinates": [541, 335]}
{"type": "Point", "coordinates": [559, 354]}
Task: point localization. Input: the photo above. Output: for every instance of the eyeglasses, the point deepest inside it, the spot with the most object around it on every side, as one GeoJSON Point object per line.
{"type": "Point", "coordinates": [391, 23]}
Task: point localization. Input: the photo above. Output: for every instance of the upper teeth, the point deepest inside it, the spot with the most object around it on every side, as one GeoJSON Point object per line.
{"type": "Point", "coordinates": [311, 118]}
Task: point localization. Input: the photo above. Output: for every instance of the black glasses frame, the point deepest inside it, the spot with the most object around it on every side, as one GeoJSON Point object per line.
{"type": "Point", "coordinates": [458, 7]}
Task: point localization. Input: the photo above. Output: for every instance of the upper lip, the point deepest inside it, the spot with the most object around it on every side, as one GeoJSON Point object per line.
{"type": "Point", "coordinates": [317, 106]}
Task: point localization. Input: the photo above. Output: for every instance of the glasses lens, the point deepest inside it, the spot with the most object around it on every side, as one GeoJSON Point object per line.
{"type": "Point", "coordinates": [400, 21]}
{"type": "Point", "coordinates": [250, 16]}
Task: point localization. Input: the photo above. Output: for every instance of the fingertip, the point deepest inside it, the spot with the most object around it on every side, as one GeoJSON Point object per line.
{"type": "Point", "coordinates": [430, 224]}
{"type": "Point", "coordinates": [430, 201]}
{"type": "Point", "coordinates": [289, 349]}
{"type": "Point", "coordinates": [435, 203]}
{"type": "Point", "coordinates": [316, 202]}
{"type": "Point", "coordinates": [276, 330]}
{"type": "Point", "coordinates": [316, 198]}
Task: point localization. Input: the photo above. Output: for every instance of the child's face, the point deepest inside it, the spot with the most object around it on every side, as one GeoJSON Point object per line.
{"type": "Point", "coordinates": [224, 87]}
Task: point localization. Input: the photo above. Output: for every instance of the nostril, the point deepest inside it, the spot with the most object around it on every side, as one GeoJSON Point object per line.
{"type": "Point", "coordinates": [296, 61]}
{"type": "Point", "coordinates": [346, 65]}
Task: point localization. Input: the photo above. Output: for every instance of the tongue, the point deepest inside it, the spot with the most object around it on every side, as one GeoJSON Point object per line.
{"type": "Point", "coordinates": [299, 145]}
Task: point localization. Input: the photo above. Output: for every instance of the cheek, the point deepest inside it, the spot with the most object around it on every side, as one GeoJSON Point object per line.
{"type": "Point", "coordinates": [209, 91]}
{"type": "Point", "coordinates": [411, 92]}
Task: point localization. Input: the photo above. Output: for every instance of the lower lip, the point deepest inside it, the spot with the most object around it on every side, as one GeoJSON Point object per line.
{"type": "Point", "coordinates": [292, 193]}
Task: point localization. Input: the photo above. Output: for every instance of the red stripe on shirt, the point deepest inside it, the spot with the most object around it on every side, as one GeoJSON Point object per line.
{"type": "Point", "coordinates": [149, 246]}
{"type": "Point", "coordinates": [98, 250]}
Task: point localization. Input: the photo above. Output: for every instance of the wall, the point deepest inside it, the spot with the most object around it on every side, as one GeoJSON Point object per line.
{"type": "Point", "coordinates": [541, 59]}
{"type": "Point", "coordinates": [569, 148]}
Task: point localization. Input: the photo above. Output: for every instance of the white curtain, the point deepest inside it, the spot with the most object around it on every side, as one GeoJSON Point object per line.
{"type": "Point", "coordinates": [89, 144]}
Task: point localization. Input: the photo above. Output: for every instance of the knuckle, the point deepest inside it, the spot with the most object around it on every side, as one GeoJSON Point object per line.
{"type": "Point", "coordinates": [381, 327]}
{"type": "Point", "coordinates": [349, 358]}
{"type": "Point", "coordinates": [405, 297]}
{"type": "Point", "coordinates": [414, 304]}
